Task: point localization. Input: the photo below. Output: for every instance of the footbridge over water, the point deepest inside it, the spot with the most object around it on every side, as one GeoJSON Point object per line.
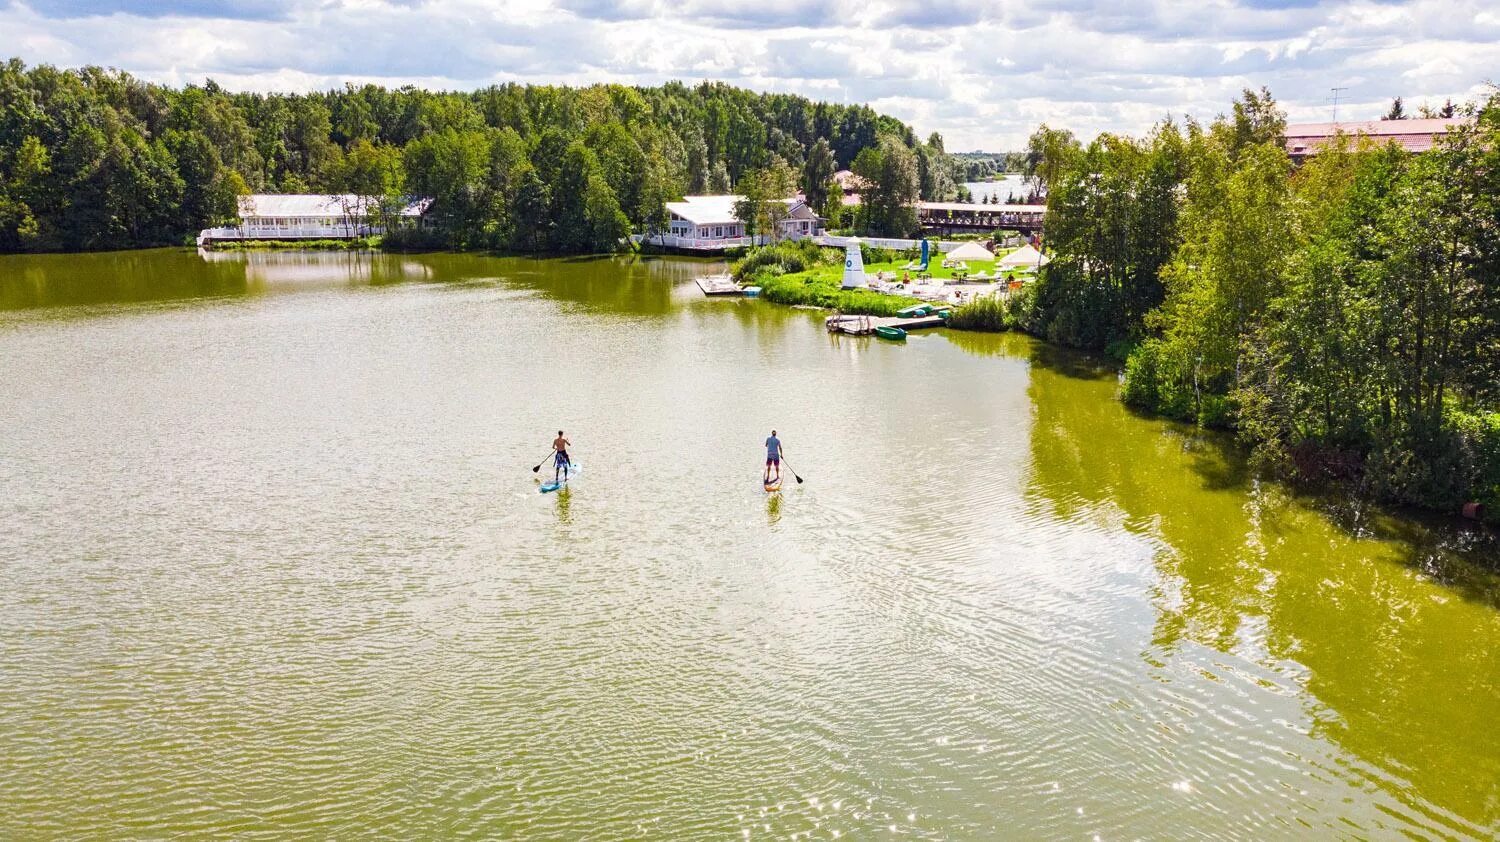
{"type": "Point", "coordinates": [965, 218]}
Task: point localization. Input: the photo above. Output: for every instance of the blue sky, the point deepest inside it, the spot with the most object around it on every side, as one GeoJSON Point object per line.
{"type": "Point", "coordinates": [982, 72]}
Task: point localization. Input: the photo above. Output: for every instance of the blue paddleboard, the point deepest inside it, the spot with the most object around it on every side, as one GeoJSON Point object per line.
{"type": "Point", "coordinates": [552, 485]}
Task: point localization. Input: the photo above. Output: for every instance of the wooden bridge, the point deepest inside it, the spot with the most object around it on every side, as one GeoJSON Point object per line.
{"type": "Point", "coordinates": [962, 217]}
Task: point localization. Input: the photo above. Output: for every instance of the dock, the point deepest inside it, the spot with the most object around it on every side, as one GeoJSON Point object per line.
{"type": "Point", "coordinates": [718, 285]}
{"type": "Point", "coordinates": [865, 325]}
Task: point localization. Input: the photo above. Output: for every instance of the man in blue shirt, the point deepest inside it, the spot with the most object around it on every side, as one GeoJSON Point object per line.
{"type": "Point", "coordinates": [773, 456]}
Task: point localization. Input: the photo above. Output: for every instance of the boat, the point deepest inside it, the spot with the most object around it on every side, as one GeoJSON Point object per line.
{"type": "Point", "coordinates": [888, 332]}
{"type": "Point", "coordinates": [752, 292]}
{"type": "Point", "coordinates": [912, 312]}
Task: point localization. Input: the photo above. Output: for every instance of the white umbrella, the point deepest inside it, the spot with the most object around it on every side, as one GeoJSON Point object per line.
{"type": "Point", "coordinates": [970, 251]}
{"type": "Point", "coordinates": [1024, 257]}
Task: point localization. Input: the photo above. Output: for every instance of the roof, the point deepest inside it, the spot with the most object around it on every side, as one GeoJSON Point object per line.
{"type": "Point", "coordinates": [847, 180]}
{"type": "Point", "coordinates": [715, 210]}
{"type": "Point", "coordinates": [318, 204]}
{"type": "Point", "coordinates": [971, 207]}
{"type": "Point", "coordinates": [1413, 135]}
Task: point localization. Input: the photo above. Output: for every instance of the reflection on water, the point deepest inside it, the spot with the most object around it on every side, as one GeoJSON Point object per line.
{"type": "Point", "coordinates": [624, 285]}
{"type": "Point", "coordinates": [276, 564]}
{"type": "Point", "coordinates": [1361, 622]}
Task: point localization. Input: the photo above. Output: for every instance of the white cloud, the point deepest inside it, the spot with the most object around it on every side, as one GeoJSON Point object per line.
{"type": "Point", "coordinates": [983, 74]}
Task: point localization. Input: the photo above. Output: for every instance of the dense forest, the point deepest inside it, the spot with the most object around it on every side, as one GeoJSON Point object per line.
{"type": "Point", "coordinates": [96, 159]}
{"type": "Point", "coordinates": [1342, 315]}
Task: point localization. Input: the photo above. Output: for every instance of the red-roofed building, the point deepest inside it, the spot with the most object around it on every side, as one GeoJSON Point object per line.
{"type": "Point", "coordinates": [1304, 139]}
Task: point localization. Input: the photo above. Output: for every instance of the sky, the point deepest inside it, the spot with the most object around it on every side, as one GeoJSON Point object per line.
{"type": "Point", "coordinates": [984, 73]}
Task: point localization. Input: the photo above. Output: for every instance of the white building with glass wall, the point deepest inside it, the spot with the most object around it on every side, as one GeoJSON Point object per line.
{"type": "Point", "coordinates": [708, 223]}
{"type": "Point", "coordinates": [274, 216]}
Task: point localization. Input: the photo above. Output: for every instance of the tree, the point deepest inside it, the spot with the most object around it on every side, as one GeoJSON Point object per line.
{"type": "Point", "coordinates": [1112, 225]}
{"type": "Point", "coordinates": [452, 168]}
{"type": "Point", "coordinates": [718, 179]}
{"type": "Point", "coordinates": [1048, 153]}
{"type": "Point", "coordinates": [817, 173]}
{"type": "Point", "coordinates": [1396, 112]}
{"type": "Point", "coordinates": [891, 188]}
{"type": "Point", "coordinates": [587, 211]}
{"type": "Point", "coordinates": [622, 162]}
{"type": "Point", "coordinates": [532, 209]}
{"type": "Point", "coordinates": [762, 205]}
{"type": "Point", "coordinates": [20, 228]}
{"type": "Point", "coordinates": [1257, 120]}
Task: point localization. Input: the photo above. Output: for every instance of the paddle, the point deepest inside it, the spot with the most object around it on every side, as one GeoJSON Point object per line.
{"type": "Point", "coordinates": [789, 468]}
{"type": "Point", "coordinates": [543, 462]}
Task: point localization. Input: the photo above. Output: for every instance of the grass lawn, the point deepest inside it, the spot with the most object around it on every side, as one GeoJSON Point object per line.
{"type": "Point", "coordinates": [935, 268]}
{"type": "Point", "coordinates": [820, 286]}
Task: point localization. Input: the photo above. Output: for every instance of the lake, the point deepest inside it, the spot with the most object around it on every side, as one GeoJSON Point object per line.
{"type": "Point", "coordinates": [1006, 186]}
{"type": "Point", "coordinates": [275, 564]}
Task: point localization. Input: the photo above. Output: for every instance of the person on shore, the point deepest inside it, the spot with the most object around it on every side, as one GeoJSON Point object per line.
{"type": "Point", "coordinates": [560, 460]}
{"type": "Point", "coordinates": [773, 456]}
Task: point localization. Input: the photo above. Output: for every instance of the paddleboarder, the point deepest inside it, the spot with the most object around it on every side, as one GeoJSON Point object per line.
{"type": "Point", "coordinates": [773, 457]}
{"type": "Point", "coordinates": [560, 460]}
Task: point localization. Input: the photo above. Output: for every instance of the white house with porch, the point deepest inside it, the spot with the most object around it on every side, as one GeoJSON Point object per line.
{"type": "Point", "coordinates": [275, 216]}
{"type": "Point", "coordinates": [708, 223]}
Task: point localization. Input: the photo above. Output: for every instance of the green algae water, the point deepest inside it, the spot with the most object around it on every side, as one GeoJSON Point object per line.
{"type": "Point", "coordinates": [274, 564]}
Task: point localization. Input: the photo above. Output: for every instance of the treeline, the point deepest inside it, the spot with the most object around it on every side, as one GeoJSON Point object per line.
{"type": "Point", "coordinates": [96, 159]}
{"type": "Point", "coordinates": [1343, 316]}
{"type": "Point", "coordinates": [978, 166]}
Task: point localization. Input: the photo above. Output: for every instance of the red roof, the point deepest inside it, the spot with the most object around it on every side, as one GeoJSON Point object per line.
{"type": "Point", "coordinates": [1413, 135]}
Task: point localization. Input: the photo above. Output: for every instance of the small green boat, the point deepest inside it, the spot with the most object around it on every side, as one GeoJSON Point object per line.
{"type": "Point", "coordinates": [887, 332]}
{"type": "Point", "coordinates": [913, 312]}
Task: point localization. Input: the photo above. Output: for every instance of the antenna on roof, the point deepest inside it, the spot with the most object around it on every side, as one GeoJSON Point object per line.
{"type": "Point", "coordinates": [1336, 92]}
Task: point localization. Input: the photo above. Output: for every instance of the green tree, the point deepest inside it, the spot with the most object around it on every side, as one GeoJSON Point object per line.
{"type": "Point", "coordinates": [1049, 152]}
{"type": "Point", "coordinates": [817, 173]}
{"type": "Point", "coordinates": [891, 188]}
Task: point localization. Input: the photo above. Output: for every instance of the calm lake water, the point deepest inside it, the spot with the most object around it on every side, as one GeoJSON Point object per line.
{"type": "Point", "coordinates": [275, 564]}
{"type": "Point", "coordinates": [1005, 186]}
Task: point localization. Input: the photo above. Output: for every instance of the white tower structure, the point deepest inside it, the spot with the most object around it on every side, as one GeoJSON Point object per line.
{"type": "Point", "coordinates": [854, 266]}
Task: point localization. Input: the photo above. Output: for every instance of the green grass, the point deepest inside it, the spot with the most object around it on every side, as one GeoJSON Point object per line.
{"type": "Point", "coordinates": [935, 268]}
{"type": "Point", "coordinates": [359, 243]}
{"type": "Point", "coordinates": [820, 288]}
{"type": "Point", "coordinates": [819, 284]}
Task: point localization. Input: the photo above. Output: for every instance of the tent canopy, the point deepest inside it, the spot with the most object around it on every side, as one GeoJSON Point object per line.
{"type": "Point", "coordinates": [1024, 256]}
{"type": "Point", "coordinates": [970, 251]}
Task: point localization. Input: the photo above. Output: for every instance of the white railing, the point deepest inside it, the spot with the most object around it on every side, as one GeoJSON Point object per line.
{"type": "Point", "coordinates": [289, 232]}
{"type": "Point", "coordinates": [885, 242]}
{"type": "Point", "coordinates": [710, 243]}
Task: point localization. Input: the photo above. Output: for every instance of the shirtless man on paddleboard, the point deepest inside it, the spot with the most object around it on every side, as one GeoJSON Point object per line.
{"type": "Point", "coordinates": [560, 460]}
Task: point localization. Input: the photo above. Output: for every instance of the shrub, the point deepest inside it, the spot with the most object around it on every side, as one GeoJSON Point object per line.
{"type": "Point", "coordinates": [414, 238]}
{"type": "Point", "coordinates": [787, 256]}
{"type": "Point", "coordinates": [1421, 468]}
{"type": "Point", "coordinates": [990, 313]}
{"type": "Point", "coordinates": [1158, 379]}
{"type": "Point", "coordinates": [1479, 438]}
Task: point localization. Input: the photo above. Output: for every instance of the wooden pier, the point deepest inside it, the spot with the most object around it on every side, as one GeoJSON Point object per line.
{"type": "Point", "coordinates": [718, 285]}
{"type": "Point", "coordinates": [865, 325]}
